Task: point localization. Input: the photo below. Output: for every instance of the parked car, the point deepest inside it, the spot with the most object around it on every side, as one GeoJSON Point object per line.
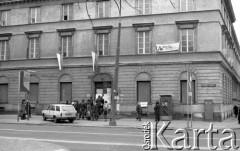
{"type": "Point", "coordinates": [60, 112]}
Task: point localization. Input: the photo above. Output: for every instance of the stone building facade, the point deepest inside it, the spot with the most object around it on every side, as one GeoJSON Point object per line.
{"type": "Point", "coordinates": [33, 31]}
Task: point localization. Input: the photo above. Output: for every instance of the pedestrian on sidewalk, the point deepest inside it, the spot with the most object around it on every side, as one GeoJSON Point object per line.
{"type": "Point", "coordinates": [139, 112]}
{"type": "Point", "coordinates": [105, 110]}
{"type": "Point", "coordinates": [82, 107]}
{"type": "Point", "coordinates": [88, 110]}
{"type": "Point", "coordinates": [28, 109]}
{"type": "Point", "coordinates": [23, 110]}
{"type": "Point", "coordinates": [157, 112]}
{"type": "Point", "coordinates": [76, 106]}
{"type": "Point", "coordinates": [95, 112]}
{"type": "Point", "coordinates": [235, 111]}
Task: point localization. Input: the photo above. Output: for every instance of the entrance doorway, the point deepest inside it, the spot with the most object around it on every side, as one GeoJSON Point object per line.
{"type": "Point", "coordinates": [103, 86]}
{"type": "Point", "coordinates": [143, 91]}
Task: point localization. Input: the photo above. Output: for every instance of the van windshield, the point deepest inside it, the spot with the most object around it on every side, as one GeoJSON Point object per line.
{"type": "Point", "coordinates": [68, 108]}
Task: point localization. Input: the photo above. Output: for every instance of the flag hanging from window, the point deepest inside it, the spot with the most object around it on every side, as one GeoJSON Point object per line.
{"type": "Point", "coordinates": [173, 47]}
{"type": "Point", "coordinates": [60, 61]}
{"type": "Point", "coordinates": [94, 60]}
{"type": "Point", "coordinates": [190, 83]}
{"type": "Point", "coordinates": [24, 81]}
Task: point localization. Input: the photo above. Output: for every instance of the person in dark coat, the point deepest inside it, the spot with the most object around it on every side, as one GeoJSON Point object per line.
{"type": "Point", "coordinates": [157, 112]}
{"type": "Point", "coordinates": [235, 111]}
{"type": "Point", "coordinates": [23, 110]}
{"type": "Point", "coordinates": [28, 109]}
{"type": "Point", "coordinates": [95, 112]}
{"type": "Point", "coordinates": [82, 107]}
{"type": "Point", "coordinates": [139, 112]}
{"type": "Point", "coordinates": [88, 110]}
{"type": "Point", "coordinates": [98, 101]}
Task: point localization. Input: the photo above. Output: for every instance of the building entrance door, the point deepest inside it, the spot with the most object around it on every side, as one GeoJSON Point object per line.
{"type": "Point", "coordinates": [143, 91]}
{"type": "Point", "coordinates": [208, 110]}
{"type": "Point", "coordinates": [103, 86]}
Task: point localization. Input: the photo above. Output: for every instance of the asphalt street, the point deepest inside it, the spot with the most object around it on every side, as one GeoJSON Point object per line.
{"type": "Point", "coordinates": [95, 138]}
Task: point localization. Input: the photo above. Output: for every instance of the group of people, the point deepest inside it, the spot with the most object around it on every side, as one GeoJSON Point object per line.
{"type": "Point", "coordinates": [90, 109]}
{"type": "Point", "coordinates": [25, 109]}
{"type": "Point", "coordinates": [156, 112]}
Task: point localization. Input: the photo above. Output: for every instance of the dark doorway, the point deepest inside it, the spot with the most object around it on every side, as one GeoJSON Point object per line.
{"type": "Point", "coordinates": [144, 91]}
{"type": "Point", "coordinates": [65, 91]}
{"type": "Point", "coordinates": [3, 93]}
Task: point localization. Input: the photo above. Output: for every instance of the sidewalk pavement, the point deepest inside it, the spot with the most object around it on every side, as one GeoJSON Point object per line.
{"type": "Point", "coordinates": [231, 123]}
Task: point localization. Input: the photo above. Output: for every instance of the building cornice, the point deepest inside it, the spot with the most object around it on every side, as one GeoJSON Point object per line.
{"type": "Point", "coordinates": [228, 4]}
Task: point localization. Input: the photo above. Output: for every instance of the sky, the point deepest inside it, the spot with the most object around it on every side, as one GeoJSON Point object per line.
{"type": "Point", "coordinates": [236, 8]}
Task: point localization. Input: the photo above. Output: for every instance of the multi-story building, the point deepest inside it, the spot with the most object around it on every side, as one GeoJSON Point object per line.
{"type": "Point", "coordinates": [33, 31]}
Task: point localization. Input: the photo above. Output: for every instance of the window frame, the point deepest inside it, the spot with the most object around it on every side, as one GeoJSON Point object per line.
{"type": "Point", "coordinates": [106, 9]}
{"type": "Point", "coordinates": [34, 11]}
{"type": "Point", "coordinates": [6, 21]}
{"type": "Point", "coordinates": [6, 49]}
{"type": "Point", "coordinates": [66, 53]}
{"type": "Point", "coordinates": [144, 42]}
{"type": "Point", "coordinates": [143, 27]}
{"type": "Point", "coordinates": [187, 40]}
{"type": "Point", "coordinates": [188, 24]}
{"type": "Point", "coordinates": [104, 52]}
{"type": "Point", "coordinates": [34, 53]}
{"type": "Point", "coordinates": [186, 8]}
{"type": "Point", "coordinates": [69, 12]}
{"type": "Point", "coordinates": [142, 11]}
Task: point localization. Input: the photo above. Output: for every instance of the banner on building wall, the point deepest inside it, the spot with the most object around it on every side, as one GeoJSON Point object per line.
{"type": "Point", "coordinates": [60, 61]}
{"type": "Point", "coordinates": [94, 60]}
{"type": "Point", "coordinates": [24, 81]}
{"type": "Point", "coordinates": [167, 47]}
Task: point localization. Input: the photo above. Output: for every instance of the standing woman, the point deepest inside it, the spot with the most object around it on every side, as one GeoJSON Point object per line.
{"type": "Point", "coordinates": [23, 110]}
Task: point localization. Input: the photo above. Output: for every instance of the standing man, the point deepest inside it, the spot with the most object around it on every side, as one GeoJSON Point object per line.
{"type": "Point", "coordinates": [28, 109]}
{"type": "Point", "coordinates": [157, 112]}
{"type": "Point", "coordinates": [139, 112]}
{"type": "Point", "coordinates": [98, 102]}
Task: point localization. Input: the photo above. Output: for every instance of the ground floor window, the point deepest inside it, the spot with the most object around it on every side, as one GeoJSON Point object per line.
{"type": "Point", "coordinates": [33, 94]}
{"type": "Point", "coordinates": [144, 91]}
{"type": "Point", "coordinates": [65, 91]}
{"type": "Point", "coordinates": [184, 91]}
{"type": "Point", "coordinates": [3, 93]}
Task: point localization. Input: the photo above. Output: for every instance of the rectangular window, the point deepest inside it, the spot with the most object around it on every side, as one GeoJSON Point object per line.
{"type": "Point", "coordinates": [186, 5]}
{"type": "Point", "coordinates": [67, 11]}
{"type": "Point", "coordinates": [35, 15]}
{"type": "Point", "coordinates": [187, 40]}
{"type": "Point", "coordinates": [3, 93]}
{"type": "Point", "coordinates": [4, 48]}
{"type": "Point", "coordinates": [103, 44]}
{"type": "Point", "coordinates": [34, 47]}
{"type": "Point", "coordinates": [5, 18]}
{"type": "Point", "coordinates": [66, 46]}
{"type": "Point", "coordinates": [143, 6]}
{"type": "Point", "coordinates": [144, 42]}
{"type": "Point", "coordinates": [33, 94]}
{"type": "Point", "coordinates": [103, 9]}
{"type": "Point", "coordinates": [184, 91]}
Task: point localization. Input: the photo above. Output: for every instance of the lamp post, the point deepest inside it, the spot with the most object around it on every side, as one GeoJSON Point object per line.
{"type": "Point", "coordinates": [112, 122]}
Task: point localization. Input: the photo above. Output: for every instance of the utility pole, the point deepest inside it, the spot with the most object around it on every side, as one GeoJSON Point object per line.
{"type": "Point", "coordinates": [115, 84]}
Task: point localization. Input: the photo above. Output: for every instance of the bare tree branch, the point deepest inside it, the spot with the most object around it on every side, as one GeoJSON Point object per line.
{"type": "Point", "coordinates": [117, 5]}
{"type": "Point", "coordinates": [172, 3]}
{"type": "Point", "coordinates": [131, 6]}
{"type": "Point", "coordinates": [89, 16]}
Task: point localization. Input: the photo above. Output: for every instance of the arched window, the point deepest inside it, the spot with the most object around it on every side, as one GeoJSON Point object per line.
{"type": "Point", "coordinates": [184, 77]}
{"type": "Point", "coordinates": [143, 83]}
{"type": "Point", "coordinates": [3, 90]}
{"type": "Point", "coordinates": [34, 89]}
{"type": "Point", "coordinates": [65, 82]}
